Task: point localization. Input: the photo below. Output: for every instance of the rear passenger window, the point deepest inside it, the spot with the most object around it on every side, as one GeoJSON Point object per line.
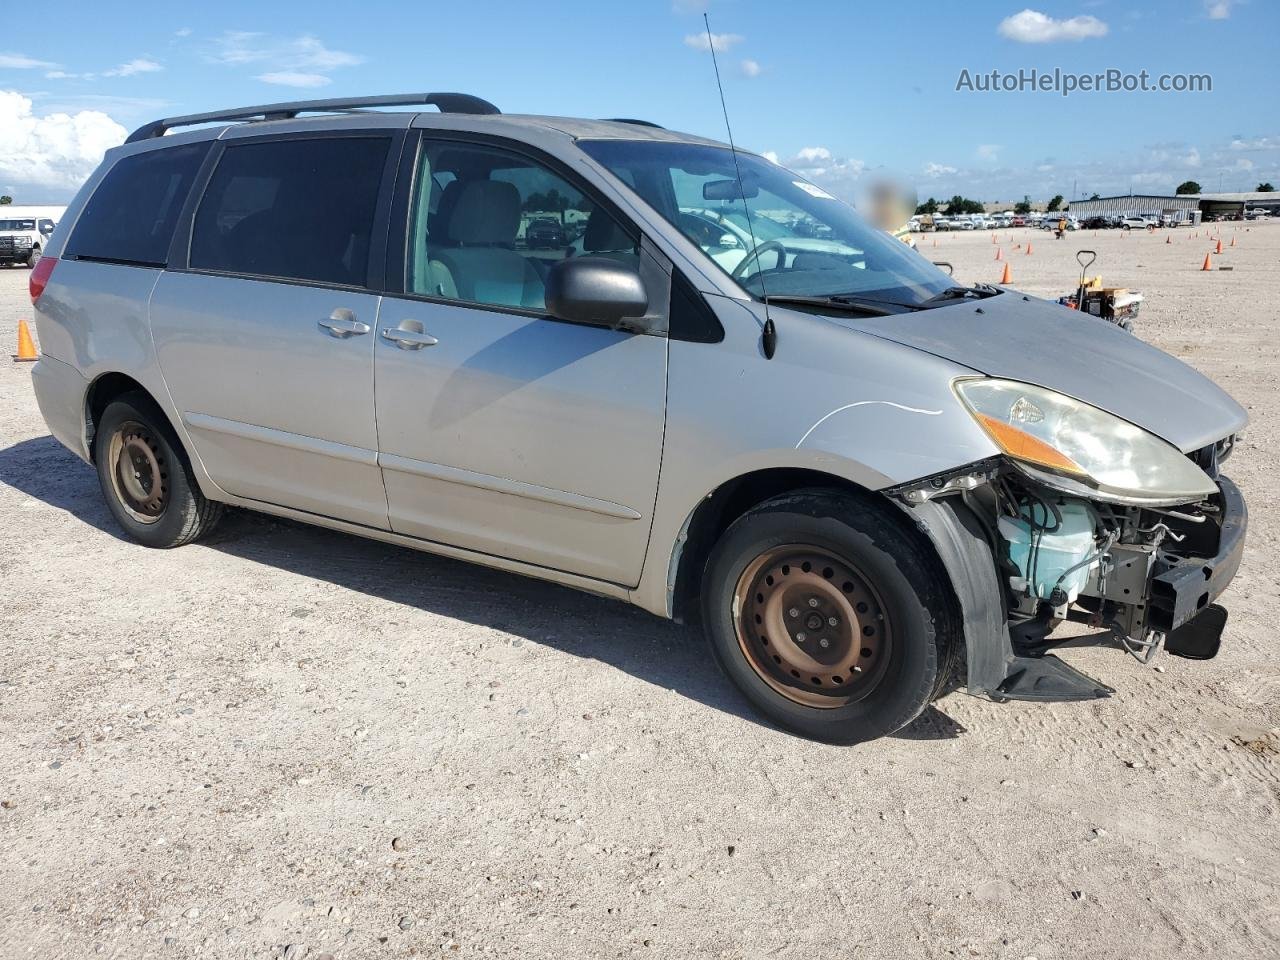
{"type": "Point", "coordinates": [131, 215]}
{"type": "Point", "coordinates": [292, 209]}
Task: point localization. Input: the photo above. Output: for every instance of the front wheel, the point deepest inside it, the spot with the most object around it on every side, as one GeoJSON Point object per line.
{"type": "Point", "coordinates": [34, 258]}
{"type": "Point", "coordinates": [145, 477]}
{"type": "Point", "coordinates": [828, 614]}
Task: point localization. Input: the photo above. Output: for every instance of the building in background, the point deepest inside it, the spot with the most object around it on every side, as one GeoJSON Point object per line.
{"type": "Point", "coordinates": [1238, 204]}
{"type": "Point", "coordinates": [1184, 209]}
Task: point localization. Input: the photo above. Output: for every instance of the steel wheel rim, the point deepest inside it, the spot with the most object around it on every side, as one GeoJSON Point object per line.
{"type": "Point", "coordinates": [139, 474]}
{"type": "Point", "coordinates": [811, 626]}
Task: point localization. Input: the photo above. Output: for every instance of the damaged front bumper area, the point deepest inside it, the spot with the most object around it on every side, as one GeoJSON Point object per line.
{"type": "Point", "coordinates": [1024, 558]}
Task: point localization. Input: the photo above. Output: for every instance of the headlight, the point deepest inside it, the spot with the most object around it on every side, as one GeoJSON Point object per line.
{"type": "Point", "coordinates": [1079, 442]}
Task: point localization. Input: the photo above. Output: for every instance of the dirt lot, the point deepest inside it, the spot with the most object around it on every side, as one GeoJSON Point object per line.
{"type": "Point", "coordinates": [292, 742]}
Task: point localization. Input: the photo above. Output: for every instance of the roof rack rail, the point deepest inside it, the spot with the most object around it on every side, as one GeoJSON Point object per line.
{"type": "Point", "coordinates": [638, 123]}
{"type": "Point", "coordinates": [444, 102]}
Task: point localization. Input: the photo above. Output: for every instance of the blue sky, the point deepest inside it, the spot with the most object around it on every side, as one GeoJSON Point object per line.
{"type": "Point", "coordinates": [842, 91]}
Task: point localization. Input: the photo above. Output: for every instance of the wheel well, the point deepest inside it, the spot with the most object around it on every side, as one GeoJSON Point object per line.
{"type": "Point", "coordinates": [102, 391]}
{"type": "Point", "coordinates": [726, 504]}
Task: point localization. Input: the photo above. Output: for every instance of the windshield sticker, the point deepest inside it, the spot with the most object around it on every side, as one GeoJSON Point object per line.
{"type": "Point", "coordinates": [813, 191]}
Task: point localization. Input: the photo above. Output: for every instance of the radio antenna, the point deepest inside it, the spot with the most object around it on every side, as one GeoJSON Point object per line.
{"type": "Point", "coordinates": [768, 334]}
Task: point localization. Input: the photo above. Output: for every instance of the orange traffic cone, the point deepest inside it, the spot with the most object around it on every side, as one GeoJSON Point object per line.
{"type": "Point", "coordinates": [1233, 241]}
{"type": "Point", "coordinates": [1007, 276]}
{"type": "Point", "coordinates": [1028, 249]}
{"type": "Point", "coordinates": [1207, 265]}
{"type": "Point", "coordinates": [997, 256]}
{"type": "Point", "coordinates": [1218, 248]}
{"type": "Point", "coordinates": [993, 238]}
{"type": "Point", "coordinates": [26, 346]}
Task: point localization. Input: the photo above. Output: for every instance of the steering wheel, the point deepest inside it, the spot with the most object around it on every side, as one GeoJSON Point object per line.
{"type": "Point", "coordinates": [741, 269]}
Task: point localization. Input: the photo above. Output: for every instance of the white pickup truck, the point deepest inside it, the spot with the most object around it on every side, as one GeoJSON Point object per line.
{"type": "Point", "coordinates": [23, 238]}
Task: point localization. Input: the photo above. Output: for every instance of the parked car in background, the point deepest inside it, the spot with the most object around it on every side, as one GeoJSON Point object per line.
{"type": "Point", "coordinates": [1137, 223]}
{"type": "Point", "coordinates": [1018, 221]}
{"type": "Point", "coordinates": [847, 468]}
{"type": "Point", "coordinates": [544, 234]}
{"type": "Point", "coordinates": [22, 239]}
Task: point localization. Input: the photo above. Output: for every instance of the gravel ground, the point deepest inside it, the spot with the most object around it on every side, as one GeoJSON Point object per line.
{"type": "Point", "coordinates": [289, 742]}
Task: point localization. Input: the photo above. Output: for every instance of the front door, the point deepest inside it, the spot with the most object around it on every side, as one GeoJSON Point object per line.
{"type": "Point", "coordinates": [500, 429]}
{"type": "Point", "coordinates": [266, 341]}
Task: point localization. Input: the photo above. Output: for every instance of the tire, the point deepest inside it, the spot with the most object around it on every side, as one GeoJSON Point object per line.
{"type": "Point", "coordinates": [134, 433]}
{"type": "Point", "coordinates": [34, 258]}
{"type": "Point", "coordinates": [880, 596]}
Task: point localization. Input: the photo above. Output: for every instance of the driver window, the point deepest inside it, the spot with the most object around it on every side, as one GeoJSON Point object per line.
{"type": "Point", "coordinates": [488, 224]}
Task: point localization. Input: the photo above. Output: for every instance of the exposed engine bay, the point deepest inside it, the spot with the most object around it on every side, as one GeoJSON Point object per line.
{"type": "Point", "coordinates": [1147, 575]}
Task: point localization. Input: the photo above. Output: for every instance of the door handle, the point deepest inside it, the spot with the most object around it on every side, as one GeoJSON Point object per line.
{"type": "Point", "coordinates": [407, 338]}
{"type": "Point", "coordinates": [342, 323]}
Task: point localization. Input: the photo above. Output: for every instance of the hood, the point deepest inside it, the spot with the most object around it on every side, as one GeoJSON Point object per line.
{"type": "Point", "coordinates": [1019, 337]}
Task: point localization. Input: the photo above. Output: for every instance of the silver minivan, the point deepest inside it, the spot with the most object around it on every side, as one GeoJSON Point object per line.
{"type": "Point", "coordinates": [725, 398]}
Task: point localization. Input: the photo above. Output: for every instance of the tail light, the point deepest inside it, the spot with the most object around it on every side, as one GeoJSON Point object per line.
{"type": "Point", "coordinates": [40, 275]}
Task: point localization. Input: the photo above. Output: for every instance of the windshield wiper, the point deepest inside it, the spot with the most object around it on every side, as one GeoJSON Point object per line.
{"type": "Point", "coordinates": [846, 304]}
{"type": "Point", "coordinates": [980, 291]}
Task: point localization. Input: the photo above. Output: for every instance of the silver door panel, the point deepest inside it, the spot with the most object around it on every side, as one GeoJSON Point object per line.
{"type": "Point", "coordinates": [278, 406]}
{"type": "Point", "coordinates": [526, 437]}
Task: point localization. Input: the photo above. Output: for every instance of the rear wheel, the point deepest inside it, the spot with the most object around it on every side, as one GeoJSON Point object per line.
{"type": "Point", "coordinates": [145, 477]}
{"type": "Point", "coordinates": [827, 612]}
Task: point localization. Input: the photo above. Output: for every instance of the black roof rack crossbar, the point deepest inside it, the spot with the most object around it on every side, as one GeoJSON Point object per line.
{"type": "Point", "coordinates": [638, 123]}
{"type": "Point", "coordinates": [444, 102]}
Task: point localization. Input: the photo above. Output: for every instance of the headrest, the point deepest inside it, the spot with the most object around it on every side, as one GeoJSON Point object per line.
{"type": "Point", "coordinates": [604, 234]}
{"type": "Point", "coordinates": [487, 211]}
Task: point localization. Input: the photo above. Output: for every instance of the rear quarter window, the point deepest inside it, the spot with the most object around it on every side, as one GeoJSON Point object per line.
{"type": "Point", "coordinates": [131, 216]}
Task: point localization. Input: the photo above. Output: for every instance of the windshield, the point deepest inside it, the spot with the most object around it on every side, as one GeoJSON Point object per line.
{"type": "Point", "coordinates": [17, 224]}
{"type": "Point", "coordinates": [806, 242]}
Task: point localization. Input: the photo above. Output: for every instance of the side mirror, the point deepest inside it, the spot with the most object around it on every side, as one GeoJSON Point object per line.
{"type": "Point", "coordinates": [595, 290]}
{"type": "Point", "coordinates": [46, 227]}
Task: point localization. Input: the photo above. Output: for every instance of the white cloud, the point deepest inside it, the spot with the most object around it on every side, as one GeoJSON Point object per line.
{"type": "Point", "coordinates": [839, 175]}
{"type": "Point", "coordinates": [288, 78]}
{"type": "Point", "coordinates": [721, 41]}
{"type": "Point", "coordinates": [1217, 9]}
{"type": "Point", "coordinates": [299, 62]}
{"type": "Point", "coordinates": [989, 151]}
{"type": "Point", "coordinates": [58, 150]}
{"type": "Point", "coordinates": [19, 61]}
{"type": "Point", "coordinates": [935, 170]}
{"type": "Point", "coordinates": [770, 155]}
{"type": "Point", "coordinates": [1032, 26]}
{"type": "Point", "coordinates": [750, 68]}
{"type": "Point", "coordinates": [811, 154]}
{"type": "Point", "coordinates": [1256, 143]}
{"type": "Point", "coordinates": [184, 32]}
{"type": "Point", "coordinates": [135, 66]}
